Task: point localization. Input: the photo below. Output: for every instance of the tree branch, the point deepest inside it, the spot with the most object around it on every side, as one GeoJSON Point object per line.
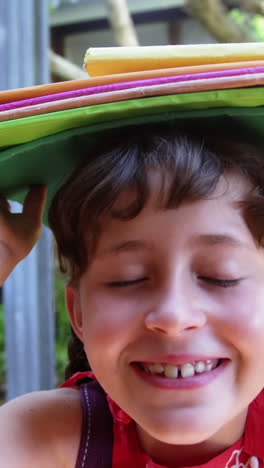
{"type": "Point", "coordinates": [214, 16]}
{"type": "Point", "coordinates": [65, 69]}
{"type": "Point", "coordinates": [121, 22]}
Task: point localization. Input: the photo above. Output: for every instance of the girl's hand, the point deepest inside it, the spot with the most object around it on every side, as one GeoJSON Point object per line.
{"type": "Point", "coordinates": [20, 231]}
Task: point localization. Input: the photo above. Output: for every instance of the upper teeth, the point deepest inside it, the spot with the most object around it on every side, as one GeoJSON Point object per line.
{"type": "Point", "coordinates": [184, 370]}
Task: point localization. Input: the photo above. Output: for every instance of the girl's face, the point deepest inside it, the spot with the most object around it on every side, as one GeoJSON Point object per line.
{"type": "Point", "coordinates": [182, 289]}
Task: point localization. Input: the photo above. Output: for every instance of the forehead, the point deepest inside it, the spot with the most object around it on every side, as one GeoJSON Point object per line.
{"type": "Point", "coordinates": [231, 186]}
{"type": "Point", "coordinates": [219, 213]}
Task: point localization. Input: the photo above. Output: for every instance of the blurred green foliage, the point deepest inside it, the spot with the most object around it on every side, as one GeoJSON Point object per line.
{"type": "Point", "coordinates": [53, 5]}
{"type": "Point", "coordinates": [254, 23]}
{"type": "Point", "coordinates": [258, 26]}
{"type": "Point", "coordinates": [62, 328]}
{"type": "Point", "coordinates": [62, 335]}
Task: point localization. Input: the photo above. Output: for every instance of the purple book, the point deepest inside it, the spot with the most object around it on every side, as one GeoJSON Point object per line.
{"type": "Point", "coordinates": [129, 85]}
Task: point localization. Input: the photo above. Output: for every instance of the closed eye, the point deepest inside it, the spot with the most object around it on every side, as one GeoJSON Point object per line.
{"type": "Point", "coordinates": [223, 283]}
{"type": "Point", "coordinates": [123, 284]}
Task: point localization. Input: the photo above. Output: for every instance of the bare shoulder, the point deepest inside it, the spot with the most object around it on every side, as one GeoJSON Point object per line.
{"type": "Point", "coordinates": [41, 429]}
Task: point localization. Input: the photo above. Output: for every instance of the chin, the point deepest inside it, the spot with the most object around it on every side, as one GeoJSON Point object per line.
{"type": "Point", "coordinates": [182, 437]}
{"type": "Point", "coordinates": [183, 432]}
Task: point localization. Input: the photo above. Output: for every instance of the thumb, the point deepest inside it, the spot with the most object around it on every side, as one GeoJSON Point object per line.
{"type": "Point", "coordinates": [34, 203]}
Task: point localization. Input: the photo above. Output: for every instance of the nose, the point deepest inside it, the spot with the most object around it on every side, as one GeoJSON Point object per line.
{"type": "Point", "coordinates": [176, 310]}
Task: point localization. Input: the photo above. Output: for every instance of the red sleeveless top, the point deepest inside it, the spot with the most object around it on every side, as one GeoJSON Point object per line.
{"type": "Point", "coordinates": [248, 452]}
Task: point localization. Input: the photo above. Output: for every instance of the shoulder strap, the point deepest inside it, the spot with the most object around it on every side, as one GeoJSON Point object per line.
{"type": "Point", "coordinates": [96, 443]}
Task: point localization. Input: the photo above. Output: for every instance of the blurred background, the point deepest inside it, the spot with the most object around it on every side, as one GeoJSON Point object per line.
{"type": "Point", "coordinates": [43, 41]}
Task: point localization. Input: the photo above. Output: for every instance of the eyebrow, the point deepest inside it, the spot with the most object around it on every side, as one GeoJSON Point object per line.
{"type": "Point", "coordinates": [216, 239]}
{"type": "Point", "coordinates": [125, 246]}
{"type": "Point", "coordinates": [200, 241]}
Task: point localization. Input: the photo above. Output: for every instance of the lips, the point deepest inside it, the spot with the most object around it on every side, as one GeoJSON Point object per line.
{"type": "Point", "coordinates": [183, 376]}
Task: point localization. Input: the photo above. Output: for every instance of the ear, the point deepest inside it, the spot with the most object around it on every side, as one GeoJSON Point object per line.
{"type": "Point", "coordinates": [72, 300]}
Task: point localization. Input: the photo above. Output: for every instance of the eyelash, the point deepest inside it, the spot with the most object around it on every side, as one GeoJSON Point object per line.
{"type": "Point", "coordinates": [223, 283]}
{"type": "Point", "coordinates": [123, 284]}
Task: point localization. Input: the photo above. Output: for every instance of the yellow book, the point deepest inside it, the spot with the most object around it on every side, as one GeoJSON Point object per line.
{"type": "Point", "coordinates": [112, 60]}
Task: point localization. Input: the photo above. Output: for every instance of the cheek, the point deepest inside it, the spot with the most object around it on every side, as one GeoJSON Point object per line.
{"type": "Point", "coordinates": [242, 319]}
{"type": "Point", "coordinates": [109, 321]}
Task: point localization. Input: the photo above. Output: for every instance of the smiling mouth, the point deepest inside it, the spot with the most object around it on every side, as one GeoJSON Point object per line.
{"type": "Point", "coordinates": [189, 369]}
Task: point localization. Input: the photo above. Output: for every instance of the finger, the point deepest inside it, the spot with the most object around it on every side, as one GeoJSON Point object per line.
{"type": "Point", "coordinates": [34, 203]}
{"type": "Point", "coordinates": [4, 204]}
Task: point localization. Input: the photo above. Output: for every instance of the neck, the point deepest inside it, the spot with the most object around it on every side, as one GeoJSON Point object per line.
{"type": "Point", "coordinates": [176, 456]}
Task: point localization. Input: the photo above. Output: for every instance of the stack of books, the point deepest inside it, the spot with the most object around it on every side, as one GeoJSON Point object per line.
{"type": "Point", "coordinates": [47, 130]}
